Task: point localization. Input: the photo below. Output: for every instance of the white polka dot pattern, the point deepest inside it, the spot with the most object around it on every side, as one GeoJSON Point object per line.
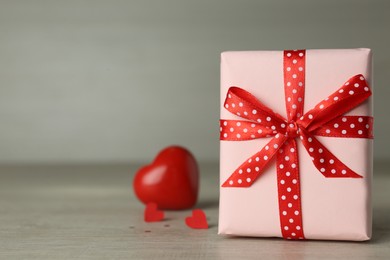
{"type": "Point", "coordinates": [236, 130]}
{"type": "Point", "coordinates": [348, 96]}
{"type": "Point", "coordinates": [324, 160]}
{"type": "Point", "coordinates": [289, 191]}
{"type": "Point", "coordinates": [354, 127]}
{"type": "Point", "coordinates": [294, 82]}
{"type": "Point", "coordinates": [325, 119]}
{"type": "Point", "coordinates": [252, 109]}
{"type": "Point", "coordinates": [294, 89]}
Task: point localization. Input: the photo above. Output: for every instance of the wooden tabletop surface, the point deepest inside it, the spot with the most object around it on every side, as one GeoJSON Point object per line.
{"type": "Point", "coordinates": [90, 212]}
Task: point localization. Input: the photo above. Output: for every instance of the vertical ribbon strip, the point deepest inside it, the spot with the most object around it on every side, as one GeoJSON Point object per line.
{"type": "Point", "coordinates": [289, 191]}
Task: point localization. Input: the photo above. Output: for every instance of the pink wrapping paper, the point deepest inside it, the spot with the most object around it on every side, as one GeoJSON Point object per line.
{"type": "Point", "coordinates": [332, 208]}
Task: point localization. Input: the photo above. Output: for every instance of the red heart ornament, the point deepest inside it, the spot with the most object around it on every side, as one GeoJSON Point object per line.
{"type": "Point", "coordinates": [197, 220]}
{"type": "Point", "coordinates": [152, 214]}
{"type": "Point", "coordinates": [171, 180]}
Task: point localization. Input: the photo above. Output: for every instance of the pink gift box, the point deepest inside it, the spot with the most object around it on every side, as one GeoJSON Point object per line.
{"type": "Point", "coordinates": [332, 208]}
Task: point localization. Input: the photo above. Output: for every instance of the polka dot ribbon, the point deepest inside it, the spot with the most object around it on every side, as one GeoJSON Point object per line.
{"type": "Point", "coordinates": [325, 119]}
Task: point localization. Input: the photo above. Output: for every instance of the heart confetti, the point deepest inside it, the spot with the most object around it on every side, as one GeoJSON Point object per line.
{"type": "Point", "coordinates": [197, 220]}
{"type": "Point", "coordinates": [152, 214]}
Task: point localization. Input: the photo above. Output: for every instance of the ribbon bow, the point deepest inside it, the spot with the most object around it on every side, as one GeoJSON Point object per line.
{"type": "Point", "coordinates": [325, 119]}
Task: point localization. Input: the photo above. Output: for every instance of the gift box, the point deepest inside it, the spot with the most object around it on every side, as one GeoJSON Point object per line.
{"type": "Point", "coordinates": [296, 144]}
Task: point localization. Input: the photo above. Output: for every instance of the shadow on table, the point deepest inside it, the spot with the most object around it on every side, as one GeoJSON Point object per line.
{"type": "Point", "coordinates": [381, 225]}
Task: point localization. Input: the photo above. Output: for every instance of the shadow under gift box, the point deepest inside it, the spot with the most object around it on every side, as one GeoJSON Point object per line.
{"type": "Point", "coordinates": [332, 208]}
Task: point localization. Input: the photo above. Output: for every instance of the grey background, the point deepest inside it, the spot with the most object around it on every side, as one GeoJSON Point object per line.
{"type": "Point", "coordinates": [115, 81]}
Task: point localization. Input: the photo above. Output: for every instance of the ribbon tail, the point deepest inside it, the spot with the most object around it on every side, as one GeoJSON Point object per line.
{"type": "Point", "coordinates": [328, 164]}
{"type": "Point", "coordinates": [245, 175]}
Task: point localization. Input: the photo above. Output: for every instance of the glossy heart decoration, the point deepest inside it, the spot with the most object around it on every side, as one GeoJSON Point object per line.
{"type": "Point", "coordinates": [197, 220]}
{"type": "Point", "coordinates": [152, 214]}
{"type": "Point", "coordinates": [171, 180]}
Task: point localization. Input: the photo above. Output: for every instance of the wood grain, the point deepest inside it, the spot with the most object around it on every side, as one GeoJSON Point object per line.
{"type": "Point", "coordinates": [90, 212]}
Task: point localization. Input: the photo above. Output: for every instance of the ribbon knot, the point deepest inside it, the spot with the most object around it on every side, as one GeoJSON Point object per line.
{"type": "Point", "coordinates": [292, 130]}
{"type": "Point", "coordinates": [325, 119]}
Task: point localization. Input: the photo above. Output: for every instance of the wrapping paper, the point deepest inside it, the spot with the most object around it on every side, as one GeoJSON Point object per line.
{"type": "Point", "coordinates": [332, 208]}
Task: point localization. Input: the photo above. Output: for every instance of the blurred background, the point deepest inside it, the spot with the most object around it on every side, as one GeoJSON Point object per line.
{"type": "Point", "coordinates": [114, 81]}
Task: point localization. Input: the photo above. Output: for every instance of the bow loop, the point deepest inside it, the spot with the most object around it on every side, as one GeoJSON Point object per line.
{"type": "Point", "coordinates": [351, 94]}
{"type": "Point", "coordinates": [245, 105]}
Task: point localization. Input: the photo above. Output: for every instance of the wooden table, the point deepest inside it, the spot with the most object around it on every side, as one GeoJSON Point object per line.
{"type": "Point", "coordinates": [90, 212]}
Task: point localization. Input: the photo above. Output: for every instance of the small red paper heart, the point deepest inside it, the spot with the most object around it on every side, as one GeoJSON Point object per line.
{"type": "Point", "coordinates": [197, 220]}
{"type": "Point", "coordinates": [171, 180]}
{"type": "Point", "coordinates": [152, 214]}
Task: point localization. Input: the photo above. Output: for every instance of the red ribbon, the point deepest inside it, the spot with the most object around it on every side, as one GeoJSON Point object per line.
{"type": "Point", "coordinates": [325, 119]}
